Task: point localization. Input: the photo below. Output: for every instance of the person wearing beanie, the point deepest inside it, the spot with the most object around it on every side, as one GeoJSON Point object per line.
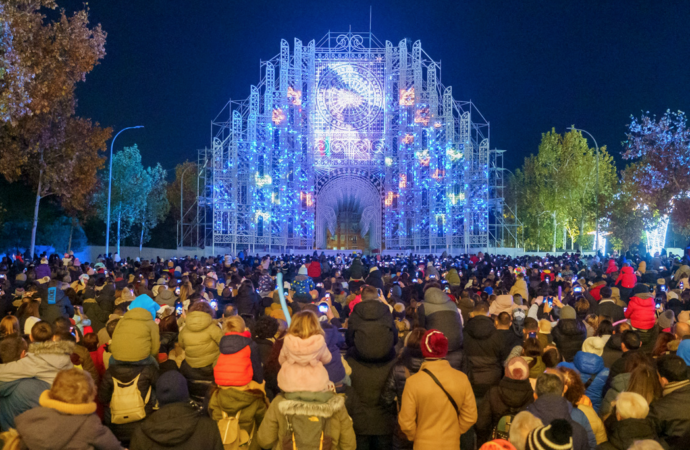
{"type": "Point", "coordinates": [375, 278]}
{"type": "Point", "coordinates": [136, 337]}
{"type": "Point", "coordinates": [666, 321]}
{"type": "Point", "coordinates": [641, 308]}
{"type": "Point", "coordinates": [303, 285]}
{"type": "Point", "coordinates": [569, 333]}
{"type": "Point", "coordinates": [556, 436]}
{"type": "Point", "coordinates": [590, 365]}
{"type": "Point", "coordinates": [441, 313]}
{"type": "Point", "coordinates": [512, 394]}
{"type": "Point", "coordinates": [427, 416]}
{"type": "Point", "coordinates": [192, 429]}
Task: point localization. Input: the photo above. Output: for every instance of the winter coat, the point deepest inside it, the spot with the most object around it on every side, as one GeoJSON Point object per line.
{"type": "Point", "coordinates": [302, 285]}
{"type": "Point", "coordinates": [641, 311]}
{"type": "Point", "coordinates": [611, 267]}
{"type": "Point", "coordinates": [199, 339]}
{"type": "Point", "coordinates": [612, 350]}
{"type": "Point", "coordinates": [484, 354]}
{"type": "Point", "coordinates": [507, 398]}
{"type": "Point", "coordinates": [439, 312]}
{"type": "Point", "coordinates": [265, 347]}
{"type": "Point", "coordinates": [520, 288]}
{"type": "Point", "coordinates": [60, 306]}
{"type": "Point", "coordinates": [17, 397]}
{"type": "Point", "coordinates": [58, 425]}
{"type": "Point", "coordinates": [568, 336]}
{"type": "Point", "coordinates": [618, 384]}
{"type": "Point", "coordinates": [250, 401]}
{"type": "Point", "coordinates": [589, 365]}
{"type": "Point", "coordinates": [453, 278]}
{"type": "Point", "coordinates": [301, 364]}
{"type": "Point", "coordinates": [427, 417]}
{"type": "Point", "coordinates": [371, 332]}
{"type": "Point", "coordinates": [551, 407]}
{"type": "Point", "coordinates": [595, 290]}
{"type": "Point", "coordinates": [98, 317]}
{"type": "Point", "coordinates": [314, 269]}
{"type": "Point", "coordinates": [368, 379]}
{"type": "Point", "coordinates": [334, 340]}
{"type": "Point", "coordinates": [125, 373]}
{"type": "Point", "coordinates": [136, 336]}
{"type": "Point", "coordinates": [43, 361]}
{"type": "Point", "coordinates": [407, 364]}
{"type": "Point", "coordinates": [466, 306]}
{"type": "Point", "coordinates": [179, 426]}
{"type": "Point", "coordinates": [239, 361]}
{"type": "Point", "coordinates": [626, 278]}
{"type": "Point", "coordinates": [356, 269]}
{"type": "Point", "coordinates": [273, 429]}
{"type": "Point", "coordinates": [609, 308]}
{"type": "Point", "coordinates": [623, 434]}
{"type": "Point", "coordinates": [247, 302]}
{"type": "Point", "coordinates": [42, 271]}
{"type": "Point", "coordinates": [671, 416]}
{"type": "Point", "coordinates": [374, 279]}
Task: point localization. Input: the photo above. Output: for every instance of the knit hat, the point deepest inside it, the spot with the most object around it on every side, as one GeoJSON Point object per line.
{"type": "Point", "coordinates": [640, 289]}
{"type": "Point", "coordinates": [544, 326]}
{"type": "Point", "coordinates": [145, 302]}
{"type": "Point", "coordinates": [666, 319]}
{"type": "Point", "coordinates": [20, 278]}
{"type": "Point", "coordinates": [556, 436]}
{"type": "Point", "coordinates": [76, 262]}
{"type": "Point", "coordinates": [594, 345]}
{"type": "Point", "coordinates": [517, 369]}
{"type": "Point", "coordinates": [497, 444]}
{"type": "Point", "coordinates": [684, 316]}
{"type": "Point", "coordinates": [373, 269]}
{"type": "Point", "coordinates": [44, 260]}
{"type": "Point", "coordinates": [171, 387]}
{"type": "Point", "coordinates": [399, 311]}
{"type": "Point", "coordinates": [434, 344]}
{"type": "Point", "coordinates": [568, 312]}
{"type": "Point", "coordinates": [302, 270]}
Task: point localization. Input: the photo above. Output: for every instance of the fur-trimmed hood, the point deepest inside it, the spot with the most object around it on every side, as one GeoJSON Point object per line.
{"type": "Point", "coordinates": [312, 408]}
{"type": "Point", "coordinates": [51, 348]}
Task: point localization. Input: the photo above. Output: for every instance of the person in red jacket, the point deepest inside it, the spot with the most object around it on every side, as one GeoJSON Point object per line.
{"type": "Point", "coordinates": [612, 267]}
{"type": "Point", "coordinates": [239, 361]}
{"type": "Point", "coordinates": [641, 308]}
{"type": "Point", "coordinates": [596, 287]}
{"type": "Point", "coordinates": [314, 270]}
{"type": "Point", "coordinates": [626, 281]}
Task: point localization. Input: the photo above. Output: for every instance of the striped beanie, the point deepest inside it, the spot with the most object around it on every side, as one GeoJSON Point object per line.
{"type": "Point", "coordinates": [556, 436]}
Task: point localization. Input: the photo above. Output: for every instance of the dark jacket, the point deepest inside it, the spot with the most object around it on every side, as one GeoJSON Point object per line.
{"type": "Point", "coordinates": [54, 303]}
{"type": "Point", "coordinates": [335, 368]}
{"type": "Point", "coordinates": [484, 354]}
{"type": "Point", "coordinates": [179, 426]}
{"type": "Point", "coordinates": [510, 339]}
{"type": "Point", "coordinates": [374, 279]}
{"type": "Point", "coordinates": [622, 434]}
{"type": "Point", "coordinates": [612, 350]}
{"type": "Point", "coordinates": [617, 368]}
{"type": "Point", "coordinates": [17, 397]}
{"type": "Point", "coordinates": [247, 302]}
{"type": "Point", "coordinates": [407, 364]}
{"type": "Point", "coordinates": [466, 306]}
{"type": "Point", "coordinates": [125, 373]}
{"type": "Point", "coordinates": [568, 336]}
{"type": "Point", "coordinates": [609, 308]}
{"type": "Point", "coordinates": [372, 417]}
{"type": "Point", "coordinates": [551, 407]}
{"type": "Point", "coordinates": [671, 417]}
{"type": "Point", "coordinates": [439, 312]}
{"type": "Point", "coordinates": [98, 317]}
{"type": "Point", "coordinates": [371, 333]}
{"type": "Point", "coordinates": [509, 397]}
{"type": "Point", "coordinates": [265, 348]}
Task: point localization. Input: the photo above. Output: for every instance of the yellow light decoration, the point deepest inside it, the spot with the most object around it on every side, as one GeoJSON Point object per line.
{"type": "Point", "coordinates": [408, 139]}
{"type": "Point", "coordinates": [422, 116]}
{"type": "Point", "coordinates": [438, 174]}
{"type": "Point", "coordinates": [453, 154]}
{"type": "Point", "coordinates": [262, 181]}
{"type": "Point", "coordinates": [389, 198]}
{"type": "Point", "coordinates": [423, 157]}
{"type": "Point", "coordinates": [389, 161]}
{"type": "Point", "coordinates": [403, 181]}
{"type": "Point", "coordinates": [407, 97]}
{"type": "Point", "coordinates": [438, 125]}
{"type": "Point", "coordinates": [278, 116]}
{"type": "Point", "coordinates": [307, 197]}
{"type": "Point", "coordinates": [455, 198]}
{"type": "Point", "coordinates": [294, 96]}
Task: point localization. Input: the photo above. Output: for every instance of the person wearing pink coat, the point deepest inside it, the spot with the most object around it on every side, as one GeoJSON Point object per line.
{"type": "Point", "coordinates": [303, 356]}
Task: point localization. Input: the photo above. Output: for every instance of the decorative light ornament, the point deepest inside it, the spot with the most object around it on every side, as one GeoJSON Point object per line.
{"type": "Point", "coordinates": [422, 116]}
{"type": "Point", "coordinates": [423, 157]}
{"type": "Point", "coordinates": [262, 214]}
{"type": "Point", "coordinates": [455, 198]}
{"type": "Point", "coordinates": [389, 198]}
{"type": "Point", "coordinates": [442, 217]}
{"type": "Point", "coordinates": [294, 96]}
{"type": "Point", "coordinates": [306, 196]}
{"type": "Point", "coordinates": [656, 237]}
{"type": "Point", "coordinates": [262, 181]}
{"type": "Point", "coordinates": [408, 139]}
{"type": "Point", "coordinates": [454, 155]}
{"type": "Point", "coordinates": [275, 198]}
{"type": "Point", "coordinates": [403, 181]}
{"type": "Point", "coordinates": [407, 97]}
{"type": "Point", "coordinates": [278, 116]}
{"type": "Point", "coordinates": [438, 174]}
{"type": "Point", "coordinates": [389, 161]}
{"type": "Point", "coordinates": [438, 125]}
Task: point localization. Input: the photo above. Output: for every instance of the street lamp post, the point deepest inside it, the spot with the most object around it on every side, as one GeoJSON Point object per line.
{"type": "Point", "coordinates": [181, 203]}
{"type": "Point", "coordinates": [596, 234]}
{"type": "Point", "coordinates": [110, 183]}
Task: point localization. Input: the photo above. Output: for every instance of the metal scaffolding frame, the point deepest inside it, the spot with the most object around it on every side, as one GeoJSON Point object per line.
{"type": "Point", "coordinates": [350, 109]}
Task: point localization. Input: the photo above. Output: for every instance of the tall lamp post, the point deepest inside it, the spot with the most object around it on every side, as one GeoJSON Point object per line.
{"type": "Point", "coordinates": [182, 210]}
{"type": "Point", "coordinates": [596, 234]}
{"type": "Point", "coordinates": [110, 183]}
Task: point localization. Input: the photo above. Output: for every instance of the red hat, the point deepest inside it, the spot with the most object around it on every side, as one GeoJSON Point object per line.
{"type": "Point", "coordinates": [434, 344]}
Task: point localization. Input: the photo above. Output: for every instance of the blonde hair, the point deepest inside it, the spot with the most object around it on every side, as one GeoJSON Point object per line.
{"type": "Point", "coordinates": [73, 386]}
{"type": "Point", "coordinates": [630, 405]}
{"type": "Point", "coordinates": [9, 325]}
{"type": "Point", "coordinates": [305, 324]}
{"type": "Point", "coordinates": [234, 324]}
{"type": "Point", "coordinates": [523, 423]}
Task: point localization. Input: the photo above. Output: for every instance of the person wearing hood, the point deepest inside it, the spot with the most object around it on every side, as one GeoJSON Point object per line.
{"type": "Point", "coordinates": [136, 337]}
{"type": "Point", "coordinates": [431, 273]}
{"type": "Point", "coordinates": [356, 269]}
{"type": "Point", "coordinates": [440, 313]}
{"type": "Point", "coordinates": [520, 287]}
{"type": "Point", "coordinates": [239, 362]}
{"type": "Point", "coordinates": [611, 268]}
{"type": "Point", "coordinates": [595, 288]}
{"type": "Point", "coordinates": [374, 278]}
{"type": "Point", "coordinates": [314, 270]}
{"type": "Point", "coordinates": [43, 269]}
{"type": "Point", "coordinates": [569, 333]}
{"type": "Point", "coordinates": [512, 394]}
{"type": "Point", "coordinates": [427, 415]}
{"type": "Point", "coordinates": [177, 424]}
{"type": "Point", "coordinates": [66, 417]}
{"type": "Point", "coordinates": [200, 339]}
{"type": "Point", "coordinates": [165, 296]}
{"type": "Point", "coordinates": [626, 281]}
{"type": "Point", "coordinates": [54, 301]}
{"type": "Point", "coordinates": [484, 351]}
{"type": "Point", "coordinates": [452, 277]}
{"type": "Point", "coordinates": [590, 365]}
{"type": "Point", "coordinates": [641, 308]}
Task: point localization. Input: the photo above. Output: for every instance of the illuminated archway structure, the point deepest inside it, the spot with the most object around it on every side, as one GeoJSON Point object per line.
{"type": "Point", "coordinates": [367, 116]}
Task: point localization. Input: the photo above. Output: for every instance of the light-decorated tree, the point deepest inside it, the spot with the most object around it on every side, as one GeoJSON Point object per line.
{"type": "Point", "coordinates": [43, 144]}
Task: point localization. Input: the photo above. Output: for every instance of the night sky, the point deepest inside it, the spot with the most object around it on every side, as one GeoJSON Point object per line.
{"type": "Point", "coordinates": [171, 65]}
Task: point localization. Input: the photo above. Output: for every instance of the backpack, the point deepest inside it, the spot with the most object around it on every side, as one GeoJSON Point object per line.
{"type": "Point", "coordinates": [502, 429]}
{"type": "Point", "coordinates": [126, 405]}
{"type": "Point", "coordinates": [232, 435]}
{"type": "Point", "coordinates": [311, 435]}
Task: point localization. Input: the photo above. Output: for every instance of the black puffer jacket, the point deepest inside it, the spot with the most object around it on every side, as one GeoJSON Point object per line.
{"type": "Point", "coordinates": [612, 350]}
{"type": "Point", "coordinates": [371, 416]}
{"type": "Point", "coordinates": [671, 417]}
{"type": "Point", "coordinates": [439, 312]}
{"type": "Point", "coordinates": [374, 279]}
{"type": "Point", "coordinates": [247, 301]}
{"type": "Point", "coordinates": [624, 433]}
{"type": "Point", "coordinates": [371, 333]}
{"type": "Point", "coordinates": [408, 363]}
{"type": "Point", "coordinates": [484, 354]}
{"type": "Point", "coordinates": [569, 335]}
{"type": "Point", "coordinates": [509, 397]}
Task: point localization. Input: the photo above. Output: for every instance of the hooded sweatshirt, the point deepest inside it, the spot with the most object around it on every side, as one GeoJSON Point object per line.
{"type": "Point", "coordinates": [199, 339]}
{"type": "Point", "coordinates": [136, 336]}
{"type": "Point", "coordinates": [43, 361]}
{"type": "Point", "coordinates": [641, 311]}
{"type": "Point", "coordinates": [302, 364]}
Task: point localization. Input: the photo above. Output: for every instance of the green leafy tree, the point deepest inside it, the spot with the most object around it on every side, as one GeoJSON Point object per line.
{"type": "Point", "coordinates": [156, 205]}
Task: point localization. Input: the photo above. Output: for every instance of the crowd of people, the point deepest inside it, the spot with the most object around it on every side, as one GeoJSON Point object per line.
{"type": "Point", "coordinates": [369, 352]}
